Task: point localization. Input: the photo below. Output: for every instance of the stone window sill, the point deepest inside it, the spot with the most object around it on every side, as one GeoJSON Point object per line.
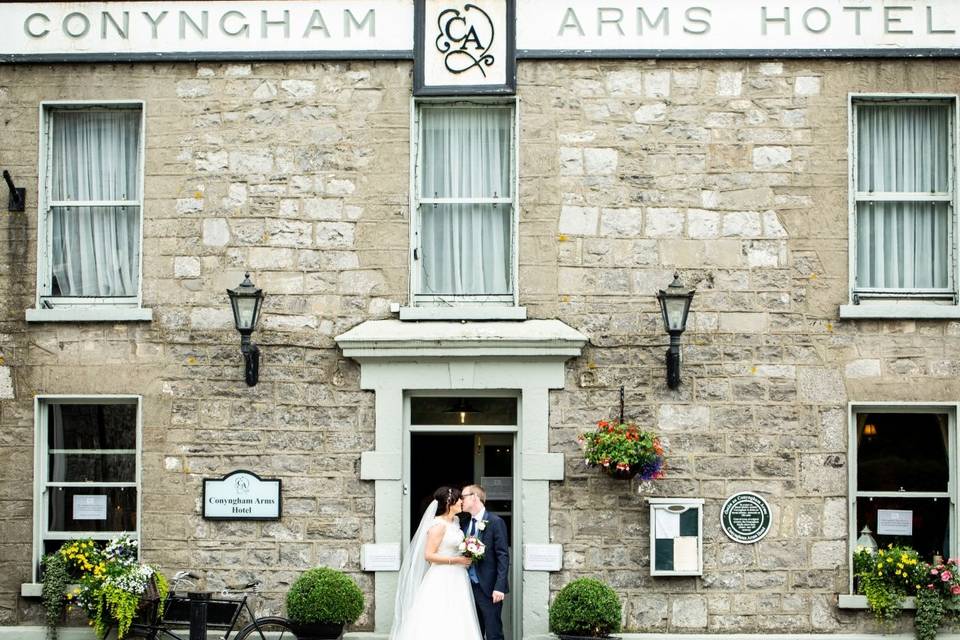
{"type": "Point", "coordinates": [905, 310]}
{"type": "Point", "coordinates": [852, 601]}
{"type": "Point", "coordinates": [99, 313]}
{"type": "Point", "coordinates": [35, 589]}
{"type": "Point", "coordinates": [465, 312]}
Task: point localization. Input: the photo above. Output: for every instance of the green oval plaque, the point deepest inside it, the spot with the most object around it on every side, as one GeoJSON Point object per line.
{"type": "Point", "coordinates": [745, 517]}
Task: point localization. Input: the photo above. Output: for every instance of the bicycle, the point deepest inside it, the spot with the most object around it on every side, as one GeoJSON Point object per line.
{"type": "Point", "coordinates": [222, 615]}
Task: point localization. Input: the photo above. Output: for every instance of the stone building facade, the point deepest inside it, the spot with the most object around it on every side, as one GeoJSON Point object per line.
{"type": "Point", "coordinates": [734, 173]}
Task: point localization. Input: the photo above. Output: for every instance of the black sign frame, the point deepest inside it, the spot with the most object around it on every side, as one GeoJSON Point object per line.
{"type": "Point", "coordinates": [203, 504]}
{"type": "Point", "coordinates": [419, 36]}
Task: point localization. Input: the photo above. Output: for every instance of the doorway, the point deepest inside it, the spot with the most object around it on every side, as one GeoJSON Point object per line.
{"type": "Point", "coordinates": [452, 447]}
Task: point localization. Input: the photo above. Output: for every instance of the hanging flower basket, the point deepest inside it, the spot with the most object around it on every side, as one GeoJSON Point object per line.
{"type": "Point", "coordinates": [624, 451]}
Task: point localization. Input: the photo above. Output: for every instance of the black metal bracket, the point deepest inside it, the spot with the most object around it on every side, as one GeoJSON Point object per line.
{"type": "Point", "coordinates": [673, 362]}
{"type": "Point", "coordinates": [18, 195]}
{"type": "Point", "coordinates": [621, 404]}
{"type": "Point", "coordinates": [251, 362]}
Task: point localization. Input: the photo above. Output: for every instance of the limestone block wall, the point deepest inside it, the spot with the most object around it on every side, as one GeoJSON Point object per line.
{"type": "Point", "coordinates": [732, 172]}
{"type": "Point", "coordinates": [735, 174]}
{"type": "Point", "coordinates": [297, 172]}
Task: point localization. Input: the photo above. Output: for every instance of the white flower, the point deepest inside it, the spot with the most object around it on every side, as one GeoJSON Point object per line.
{"type": "Point", "coordinates": [482, 525]}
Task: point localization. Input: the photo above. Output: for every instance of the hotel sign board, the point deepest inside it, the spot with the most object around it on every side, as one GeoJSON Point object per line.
{"type": "Point", "coordinates": [241, 495]}
{"type": "Point", "coordinates": [464, 47]}
{"type": "Point", "coordinates": [471, 45]}
{"type": "Point", "coordinates": [737, 28]}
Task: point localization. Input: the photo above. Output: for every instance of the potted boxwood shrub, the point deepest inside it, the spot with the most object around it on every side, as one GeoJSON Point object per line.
{"type": "Point", "coordinates": [321, 601]}
{"type": "Point", "coordinates": [585, 608]}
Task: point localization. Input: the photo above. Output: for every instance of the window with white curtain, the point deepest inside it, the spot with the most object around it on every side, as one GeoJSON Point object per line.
{"type": "Point", "coordinates": [903, 177]}
{"type": "Point", "coordinates": [87, 466]}
{"type": "Point", "coordinates": [464, 247]}
{"type": "Point", "coordinates": [92, 203]}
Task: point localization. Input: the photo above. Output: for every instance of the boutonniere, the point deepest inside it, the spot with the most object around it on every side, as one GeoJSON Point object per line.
{"type": "Point", "coordinates": [482, 525]}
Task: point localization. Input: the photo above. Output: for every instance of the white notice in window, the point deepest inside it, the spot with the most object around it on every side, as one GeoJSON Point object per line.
{"type": "Point", "coordinates": [89, 507]}
{"type": "Point", "coordinates": [894, 522]}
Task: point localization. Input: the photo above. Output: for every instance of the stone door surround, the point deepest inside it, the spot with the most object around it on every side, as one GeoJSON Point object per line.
{"type": "Point", "coordinates": [398, 357]}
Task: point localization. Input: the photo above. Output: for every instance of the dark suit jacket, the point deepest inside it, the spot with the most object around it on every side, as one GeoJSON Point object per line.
{"type": "Point", "coordinates": [494, 569]}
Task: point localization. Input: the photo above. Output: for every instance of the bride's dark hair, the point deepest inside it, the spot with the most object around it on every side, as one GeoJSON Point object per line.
{"type": "Point", "coordinates": [445, 497]}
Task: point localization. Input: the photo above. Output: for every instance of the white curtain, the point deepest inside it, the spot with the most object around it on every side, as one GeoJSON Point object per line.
{"type": "Point", "coordinates": [903, 148]}
{"type": "Point", "coordinates": [95, 157]}
{"type": "Point", "coordinates": [466, 154]}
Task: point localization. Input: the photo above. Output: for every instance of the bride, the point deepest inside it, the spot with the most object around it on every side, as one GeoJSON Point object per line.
{"type": "Point", "coordinates": [434, 597]}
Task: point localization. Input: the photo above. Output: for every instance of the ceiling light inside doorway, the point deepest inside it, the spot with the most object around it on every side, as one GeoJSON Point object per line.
{"type": "Point", "coordinates": [462, 407]}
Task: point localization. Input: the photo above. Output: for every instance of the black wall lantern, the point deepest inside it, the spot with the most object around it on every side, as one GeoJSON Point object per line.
{"type": "Point", "coordinates": [675, 305]}
{"type": "Point", "coordinates": [246, 301]}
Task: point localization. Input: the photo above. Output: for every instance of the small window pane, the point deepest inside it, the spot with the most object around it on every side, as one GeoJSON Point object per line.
{"type": "Point", "coordinates": [902, 452]}
{"type": "Point", "coordinates": [66, 466]}
{"type": "Point", "coordinates": [466, 249]}
{"type": "Point", "coordinates": [903, 147]}
{"type": "Point", "coordinates": [466, 152]}
{"type": "Point", "coordinates": [931, 523]}
{"type": "Point", "coordinates": [463, 411]}
{"type": "Point", "coordinates": [92, 426]}
{"type": "Point", "coordinates": [95, 251]}
{"type": "Point", "coordinates": [120, 514]}
{"type": "Point", "coordinates": [95, 154]}
{"type": "Point", "coordinates": [903, 245]}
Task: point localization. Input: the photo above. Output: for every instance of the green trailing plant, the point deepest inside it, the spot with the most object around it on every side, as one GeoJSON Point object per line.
{"type": "Point", "coordinates": [886, 578]}
{"type": "Point", "coordinates": [889, 575]}
{"type": "Point", "coordinates": [56, 579]}
{"type": "Point", "coordinates": [585, 607]}
{"type": "Point", "coordinates": [930, 612]}
{"type": "Point", "coordinates": [113, 583]}
{"type": "Point", "coordinates": [324, 595]}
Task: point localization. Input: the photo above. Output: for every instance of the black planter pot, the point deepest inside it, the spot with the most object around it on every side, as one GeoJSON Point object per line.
{"type": "Point", "coordinates": [619, 474]}
{"type": "Point", "coordinates": [318, 631]}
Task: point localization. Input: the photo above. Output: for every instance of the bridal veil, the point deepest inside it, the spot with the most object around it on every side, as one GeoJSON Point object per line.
{"type": "Point", "coordinates": [412, 570]}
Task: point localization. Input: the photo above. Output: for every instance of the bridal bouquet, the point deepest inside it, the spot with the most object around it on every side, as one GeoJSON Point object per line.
{"type": "Point", "coordinates": [472, 548]}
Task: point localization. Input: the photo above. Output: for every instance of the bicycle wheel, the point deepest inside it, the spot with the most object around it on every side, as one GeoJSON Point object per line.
{"type": "Point", "coordinates": [267, 628]}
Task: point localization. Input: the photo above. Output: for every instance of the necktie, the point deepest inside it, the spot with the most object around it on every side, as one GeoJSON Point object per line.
{"type": "Point", "coordinates": [472, 570]}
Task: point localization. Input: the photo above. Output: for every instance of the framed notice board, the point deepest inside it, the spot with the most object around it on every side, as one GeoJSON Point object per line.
{"type": "Point", "coordinates": [676, 536]}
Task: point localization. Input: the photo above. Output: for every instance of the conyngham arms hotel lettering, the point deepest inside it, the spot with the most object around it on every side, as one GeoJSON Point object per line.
{"type": "Point", "coordinates": [480, 34]}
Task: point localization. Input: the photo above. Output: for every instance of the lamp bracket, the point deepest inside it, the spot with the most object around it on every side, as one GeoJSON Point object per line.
{"type": "Point", "coordinates": [18, 195]}
{"type": "Point", "coordinates": [251, 363]}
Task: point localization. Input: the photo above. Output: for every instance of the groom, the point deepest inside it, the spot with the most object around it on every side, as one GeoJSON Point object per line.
{"type": "Point", "coordinates": [489, 575]}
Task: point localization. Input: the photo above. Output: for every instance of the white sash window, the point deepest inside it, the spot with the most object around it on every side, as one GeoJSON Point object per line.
{"type": "Point", "coordinates": [88, 470]}
{"type": "Point", "coordinates": [464, 240]}
{"type": "Point", "coordinates": [903, 197]}
{"type": "Point", "coordinates": [91, 205]}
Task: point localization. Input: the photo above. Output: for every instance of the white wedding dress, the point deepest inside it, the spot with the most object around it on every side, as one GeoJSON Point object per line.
{"type": "Point", "coordinates": [442, 605]}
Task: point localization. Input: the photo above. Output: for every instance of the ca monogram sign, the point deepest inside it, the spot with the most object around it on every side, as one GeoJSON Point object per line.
{"type": "Point", "coordinates": [465, 38]}
{"type": "Point", "coordinates": [464, 47]}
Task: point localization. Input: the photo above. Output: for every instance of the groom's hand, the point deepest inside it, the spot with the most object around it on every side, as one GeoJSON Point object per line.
{"type": "Point", "coordinates": [497, 597]}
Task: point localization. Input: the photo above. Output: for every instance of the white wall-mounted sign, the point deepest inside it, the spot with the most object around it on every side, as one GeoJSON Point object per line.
{"type": "Point", "coordinates": [241, 495]}
{"type": "Point", "coordinates": [811, 27]}
{"type": "Point", "coordinates": [464, 46]}
{"type": "Point", "coordinates": [89, 507]}
{"type": "Point", "coordinates": [469, 46]}
{"type": "Point", "coordinates": [380, 557]}
{"type": "Point", "coordinates": [542, 557]}
{"type": "Point", "coordinates": [894, 522]}
{"type": "Point", "coordinates": [363, 28]}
